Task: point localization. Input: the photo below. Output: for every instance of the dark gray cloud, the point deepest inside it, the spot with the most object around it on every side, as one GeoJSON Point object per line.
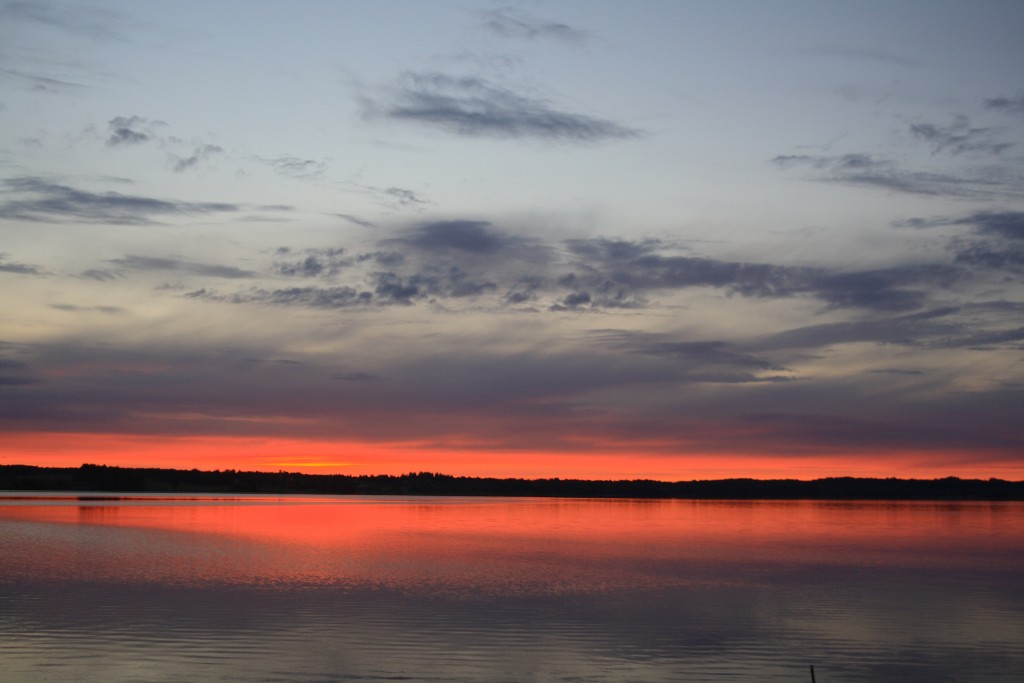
{"type": "Point", "coordinates": [898, 371]}
{"type": "Point", "coordinates": [38, 199]}
{"type": "Point", "coordinates": [1005, 224]}
{"type": "Point", "coordinates": [888, 289]}
{"type": "Point", "coordinates": [462, 235]}
{"type": "Point", "coordinates": [523, 291]}
{"type": "Point", "coordinates": [312, 297]}
{"type": "Point", "coordinates": [951, 327]}
{"type": "Point", "coordinates": [959, 137]}
{"type": "Point", "coordinates": [1010, 105]}
{"type": "Point", "coordinates": [510, 23]}
{"type": "Point", "coordinates": [452, 282]}
{"type": "Point", "coordinates": [988, 254]}
{"type": "Point", "coordinates": [597, 295]}
{"type": "Point", "coordinates": [998, 242]}
{"type": "Point", "coordinates": [150, 263]}
{"type": "Point", "coordinates": [699, 361]}
{"type": "Point", "coordinates": [912, 329]}
{"type": "Point", "coordinates": [637, 266]}
{"type": "Point", "coordinates": [326, 262]}
{"type": "Point", "coordinates": [466, 258]}
{"type": "Point", "coordinates": [18, 268]}
{"type": "Point", "coordinates": [475, 107]}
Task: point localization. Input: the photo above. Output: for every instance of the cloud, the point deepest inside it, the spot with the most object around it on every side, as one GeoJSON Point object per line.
{"type": "Point", "coordinates": [150, 263]}
{"type": "Point", "coordinates": [959, 138]}
{"type": "Point", "coordinates": [949, 327]}
{"type": "Point", "coordinates": [1005, 224]}
{"type": "Point", "coordinates": [988, 254]}
{"type": "Point", "coordinates": [200, 154]}
{"type": "Point", "coordinates": [295, 167]}
{"type": "Point", "coordinates": [39, 200]}
{"type": "Point", "coordinates": [92, 22]}
{"type": "Point", "coordinates": [325, 262]}
{"type": "Point", "coordinates": [909, 329]}
{"type": "Point", "coordinates": [474, 107]}
{"type": "Point", "coordinates": [405, 198]}
{"type": "Point", "coordinates": [101, 275]}
{"type": "Point", "coordinates": [639, 266]}
{"type": "Point", "coordinates": [455, 259]}
{"type": "Point", "coordinates": [702, 361]}
{"type": "Point", "coordinates": [18, 268]}
{"type": "Point", "coordinates": [436, 282]}
{"type": "Point", "coordinates": [72, 308]}
{"type": "Point", "coordinates": [882, 289]}
{"type": "Point", "coordinates": [312, 297]}
{"type": "Point", "coordinates": [355, 220]}
{"type": "Point", "coordinates": [1010, 105]}
{"type": "Point", "coordinates": [513, 24]}
{"type": "Point", "coordinates": [864, 170]}
{"type": "Point", "coordinates": [1001, 241]}
{"type": "Point", "coordinates": [131, 130]}
{"type": "Point", "coordinates": [459, 235]}
{"type": "Point", "coordinates": [41, 83]}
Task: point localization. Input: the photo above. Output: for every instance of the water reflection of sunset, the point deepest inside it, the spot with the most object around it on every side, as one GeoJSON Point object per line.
{"type": "Point", "coordinates": [544, 543]}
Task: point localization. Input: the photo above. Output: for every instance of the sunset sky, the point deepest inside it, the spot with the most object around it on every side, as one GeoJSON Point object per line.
{"type": "Point", "coordinates": [674, 240]}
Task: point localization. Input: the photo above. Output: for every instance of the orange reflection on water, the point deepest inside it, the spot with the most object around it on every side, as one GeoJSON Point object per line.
{"type": "Point", "coordinates": [494, 544]}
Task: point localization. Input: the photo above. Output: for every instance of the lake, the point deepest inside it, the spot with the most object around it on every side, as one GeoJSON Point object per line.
{"type": "Point", "coordinates": [486, 590]}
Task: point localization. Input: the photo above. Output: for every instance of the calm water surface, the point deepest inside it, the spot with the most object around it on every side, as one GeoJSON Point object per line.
{"type": "Point", "coordinates": [253, 588]}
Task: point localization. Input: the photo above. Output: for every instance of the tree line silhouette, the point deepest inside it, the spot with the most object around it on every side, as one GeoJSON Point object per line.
{"type": "Point", "coordinates": [103, 478]}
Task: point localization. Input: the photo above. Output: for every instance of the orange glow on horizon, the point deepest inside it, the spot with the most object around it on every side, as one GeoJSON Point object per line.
{"type": "Point", "coordinates": [355, 458]}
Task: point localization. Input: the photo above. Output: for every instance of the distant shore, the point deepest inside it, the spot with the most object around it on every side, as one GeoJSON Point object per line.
{"type": "Point", "coordinates": [153, 480]}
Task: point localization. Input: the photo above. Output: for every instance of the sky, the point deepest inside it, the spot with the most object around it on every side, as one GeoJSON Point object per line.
{"type": "Point", "coordinates": [607, 240]}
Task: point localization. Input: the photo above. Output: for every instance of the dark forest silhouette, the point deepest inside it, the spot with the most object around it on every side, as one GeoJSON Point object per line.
{"type": "Point", "coordinates": [153, 480]}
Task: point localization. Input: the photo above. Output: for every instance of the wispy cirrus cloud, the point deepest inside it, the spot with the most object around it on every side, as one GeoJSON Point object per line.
{"type": "Point", "coordinates": [960, 137]}
{"type": "Point", "coordinates": [151, 263]}
{"type": "Point", "coordinates": [37, 199]}
{"type": "Point", "coordinates": [295, 167]}
{"type": "Point", "coordinates": [92, 22]}
{"type": "Point", "coordinates": [75, 308]}
{"type": "Point", "coordinates": [475, 107]}
{"type": "Point", "coordinates": [40, 82]}
{"type": "Point", "coordinates": [516, 24]}
{"type": "Point", "coordinates": [866, 170]}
